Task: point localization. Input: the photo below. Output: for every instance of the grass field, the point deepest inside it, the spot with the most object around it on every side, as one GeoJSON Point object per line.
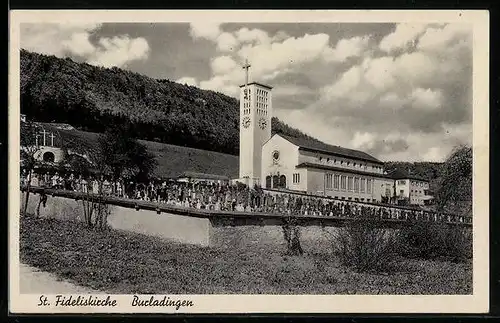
{"type": "Point", "coordinates": [122, 262]}
{"type": "Point", "coordinates": [172, 160]}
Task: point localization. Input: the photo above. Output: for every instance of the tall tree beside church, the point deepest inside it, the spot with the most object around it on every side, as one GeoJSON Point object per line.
{"type": "Point", "coordinates": [455, 184]}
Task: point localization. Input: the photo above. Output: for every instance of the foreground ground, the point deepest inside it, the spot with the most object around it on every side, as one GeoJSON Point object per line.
{"type": "Point", "coordinates": [34, 281]}
{"type": "Point", "coordinates": [122, 262]}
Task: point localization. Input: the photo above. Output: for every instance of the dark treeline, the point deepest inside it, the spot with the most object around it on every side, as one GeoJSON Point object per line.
{"type": "Point", "coordinates": [426, 170]}
{"type": "Point", "coordinates": [92, 98]}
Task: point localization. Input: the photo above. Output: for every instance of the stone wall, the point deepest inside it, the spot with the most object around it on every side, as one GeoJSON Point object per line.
{"type": "Point", "coordinates": [202, 231]}
{"type": "Point", "coordinates": [179, 228]}
{"type": "Point", "coordinates": [199, 227]}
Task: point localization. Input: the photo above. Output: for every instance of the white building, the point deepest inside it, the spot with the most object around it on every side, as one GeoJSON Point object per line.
{"type": "Point", "coordinates": [317, 168]}
{"type": "Point", "coordinates": [411, 188]}
{"type": "Point", "coordinates": [307, 165]}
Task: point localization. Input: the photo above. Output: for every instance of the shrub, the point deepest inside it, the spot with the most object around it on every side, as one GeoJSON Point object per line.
{"type": "Point", "coordinates": [426, 240]}
{"type": "Point", "coordinates": [291, 234]}
{"type": "Point", "coordinates": [363, 246]}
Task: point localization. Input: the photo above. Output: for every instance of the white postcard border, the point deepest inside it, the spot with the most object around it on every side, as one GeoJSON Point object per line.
{"type": "Point", "coordinates": [478, 302]}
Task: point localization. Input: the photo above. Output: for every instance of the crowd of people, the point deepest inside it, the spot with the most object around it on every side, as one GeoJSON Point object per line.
{"type": "Point", "coordinates": [223, 196]}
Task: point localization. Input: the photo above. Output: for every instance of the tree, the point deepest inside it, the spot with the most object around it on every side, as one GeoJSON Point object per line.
{"type": "Point", "coordinates": [123, 155]}
{"type": "Point", "coordinates": [115, 154]}
{"type": "Point", "coordinates": [454, 191]}
{"type": "Point", "coordinates": [29, 151]}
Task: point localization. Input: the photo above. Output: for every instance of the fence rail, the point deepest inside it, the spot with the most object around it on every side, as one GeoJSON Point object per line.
{"type": "Point", "coordinates": [386, 215]}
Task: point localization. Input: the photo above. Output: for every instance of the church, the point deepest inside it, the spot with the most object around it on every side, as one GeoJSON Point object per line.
{"type": "Point", "coordinates": [307, 165]}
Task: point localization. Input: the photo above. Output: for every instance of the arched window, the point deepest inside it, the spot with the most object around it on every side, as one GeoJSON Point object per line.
{"type": "Point", "coordinates": [282, 181]}
{"type": "Point", "coordinates": [276, 181]}
{"type": "Point", "coordinates": [268, 181]}
{"type": "Point", "coordinates": [49, 157]}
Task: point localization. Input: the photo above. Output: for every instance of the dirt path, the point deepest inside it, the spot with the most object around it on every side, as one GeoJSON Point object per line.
{"type": "Point", "coordinates": [34, 281]}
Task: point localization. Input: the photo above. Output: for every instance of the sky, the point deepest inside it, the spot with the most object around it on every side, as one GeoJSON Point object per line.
{"type": "Point", "coordinates": [401, 92]}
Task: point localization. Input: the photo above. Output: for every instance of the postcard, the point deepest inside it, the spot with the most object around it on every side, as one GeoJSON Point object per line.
{"type": "Point", "coordinates": [249, 161]}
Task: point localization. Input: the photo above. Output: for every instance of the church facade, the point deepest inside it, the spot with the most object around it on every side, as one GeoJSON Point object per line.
{"type": "Point", "coordinates": [316, 168]}
{"type": "Point", "coordinates": [307, 165]}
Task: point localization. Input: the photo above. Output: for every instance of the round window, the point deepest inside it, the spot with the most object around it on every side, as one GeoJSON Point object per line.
{"type": "Point", "coordinates": [276, 155]}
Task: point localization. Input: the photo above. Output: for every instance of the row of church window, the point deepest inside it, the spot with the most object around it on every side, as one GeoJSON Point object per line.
{"type": "Point", "coordinates": [296, 178]}
{"type": "Point", "coordinates": [348, 163]}
{"type": "Point", "coordinates": [349, 183]}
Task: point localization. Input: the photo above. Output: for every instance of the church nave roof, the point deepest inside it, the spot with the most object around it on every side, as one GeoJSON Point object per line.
{"type": "Point", "coordinates": [317, 146]}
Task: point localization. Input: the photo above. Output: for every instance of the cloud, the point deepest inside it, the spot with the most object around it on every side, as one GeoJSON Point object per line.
{"type": "Point", "coordinates": [346, 48]}
{"type": "Point", "coordinates": [79, 44]}
{"type": "Point", "coordinates": [188, 80]}
{"type": "Point", "coordinates": [57, 39]}
{"type": "Point", "coordinates": [220, 84]}
{"type": "Point", "coordinates": [392, 101]}
{"type": "Point", "coordinates": [363, 140]}
{"type": "Point", "coordinates": [290, 90]}
{"type": "Point", "coordinates": [223, 65]}
{"type": "Point", "coordinates": [433, 154]}
{"type": "Point", "coordinates": [119, 50]}
{"type": "Point", "coordinates": [268, 57]}
{"type": "Point", "coordinates": [345, 86]}
{"type": "Point", "coordinates": [403, 36]}
{"type": "Point", "coordinates": [426, 98]}
{"type": "Point", "coordinates": [272, 56]}
{"type": "Point", "coordinates": [379, 144]}
{"type": "Point", "coordinates": [226, 42]}
{"type": "Point", "coordinates": [437, 38]}
{"type": "Point", "coordinates": [419, 94]}
{"type": "Point", "coordinates": [257, 36]}
{"type": "Point", "coordinates": [204, 29]}
{"type": "Point", "coordinates": [74, 40]}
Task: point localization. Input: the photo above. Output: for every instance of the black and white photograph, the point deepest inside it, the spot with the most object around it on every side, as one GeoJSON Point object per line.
{"type": "Point", "coordinates": [236, 162]}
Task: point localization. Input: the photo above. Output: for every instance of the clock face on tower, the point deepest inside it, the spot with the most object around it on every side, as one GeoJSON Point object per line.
{"type": "Point", "coordinates": [246, 122]}
{"type": "Point", "coordinates": [262, 123]}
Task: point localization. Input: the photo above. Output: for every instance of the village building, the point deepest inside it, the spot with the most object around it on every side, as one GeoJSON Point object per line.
{"type": "Point", "coordinates": [411, 188]}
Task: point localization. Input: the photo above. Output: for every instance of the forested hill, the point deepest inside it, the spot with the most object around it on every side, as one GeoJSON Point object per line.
{"type": "Point", "coordinates": [91, 98]}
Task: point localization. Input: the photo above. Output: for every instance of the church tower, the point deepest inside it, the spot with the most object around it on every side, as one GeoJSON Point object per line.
{"type": "Point", "coordinates": [256, 111]}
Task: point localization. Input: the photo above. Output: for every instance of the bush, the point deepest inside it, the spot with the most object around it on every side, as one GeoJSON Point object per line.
{"type": "Point", "coordinates": [365, 247]}
{"type": "Point", "coordinates": [291, 235]}
{"type": "Point", "coordinates": [436, 241]}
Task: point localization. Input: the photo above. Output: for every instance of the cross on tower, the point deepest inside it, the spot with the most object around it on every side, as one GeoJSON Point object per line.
{"type": "Point", "coordinates": [246, 67]}
{"type": "Point", "coordinates": [52, 137]}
